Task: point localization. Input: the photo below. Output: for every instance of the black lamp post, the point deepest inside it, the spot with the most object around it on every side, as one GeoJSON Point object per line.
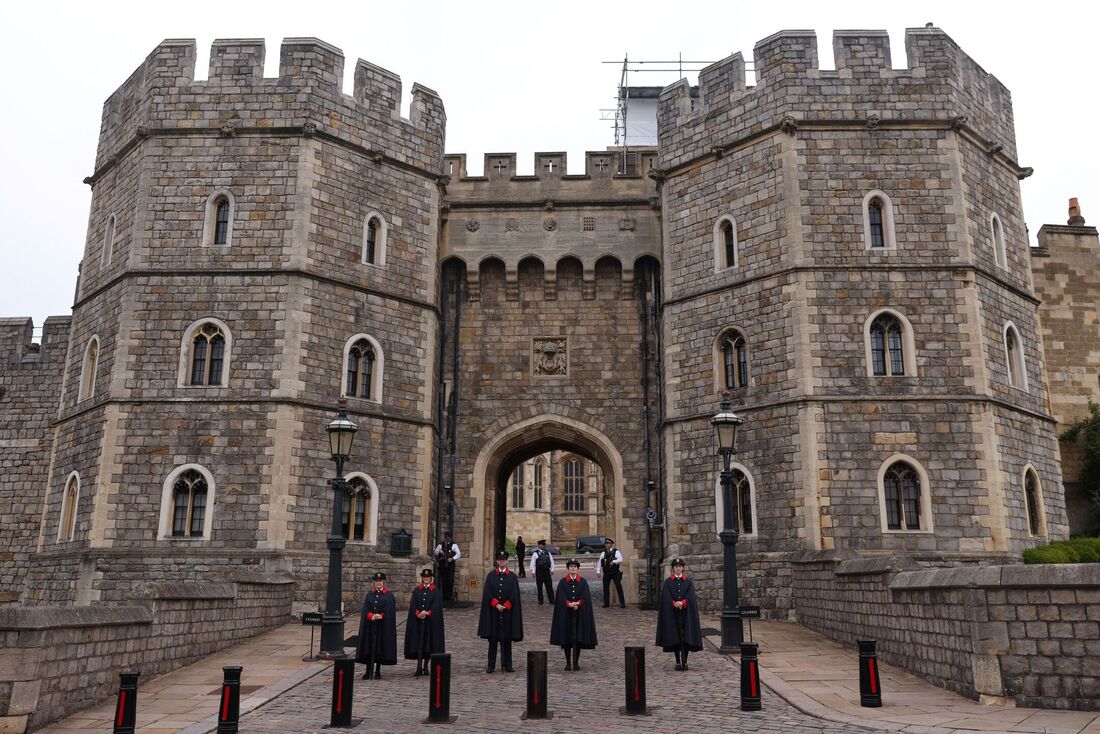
{"type": "Point", "coordinates": [726, 423]}
{"type": "Point", "coordinates": [341, 432]}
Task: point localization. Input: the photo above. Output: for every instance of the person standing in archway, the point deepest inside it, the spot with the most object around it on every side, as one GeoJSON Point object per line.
{"type": "Point", "coordinates": [610, 566]}
{"type": "Point", "coordinates": [542, 566]}
{"type": "Point", "coordinates": [574, 625]}
{"type": "Point", "coordinates": [521, 555]}
{"type": "Point", "coordinates": [446, 553]}
{"type": "Point", "coordinates": [501, 621]}
{"type": "Point", "coordinates": [678, 629]}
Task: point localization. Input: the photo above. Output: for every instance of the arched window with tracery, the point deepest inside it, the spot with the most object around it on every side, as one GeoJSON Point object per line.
{"type": "Point", "coordinates": [517, 486]}
{"type": "Point", "coordinates": [358, 515]}
{"type": "Point", "coordinates": [887, 345]}
{"type": "Point", "coordinates": [742, 497]}
{"type": "Point", "coordinates": [735, 360]}
{"type": "Point", "coordinates": [189, 505]}
{"type": "Point", "coordinates": [573, 472]}
{"type": "Point", "coordinates": [902, 489]}
{"type": "Point", "coordinates": [360, 379]}
{"type": "Point", "coordinates": [207, 355]}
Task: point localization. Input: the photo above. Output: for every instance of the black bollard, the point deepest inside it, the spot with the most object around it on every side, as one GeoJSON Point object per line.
{"type": "Point", "coordinates": [126, 710]}
{"type": "Point", "coordinates": [870, 692]}
{"type": "Point", "coordinates": [750, 677]}
{"type": "Point", "coordinates": [635, 683]}
{"type": "Point", "coordinates": [343, 684]}
{"type": "Point", "coordinates": [439, 696]}
{"type": "Point", "coordinates": [229, 713]}
{"type": "Point", "coordinates": [536, 686]}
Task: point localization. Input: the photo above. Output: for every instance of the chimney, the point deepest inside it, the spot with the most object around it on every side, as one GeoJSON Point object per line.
{"type": "Point", "coordinates": [1075, 218]}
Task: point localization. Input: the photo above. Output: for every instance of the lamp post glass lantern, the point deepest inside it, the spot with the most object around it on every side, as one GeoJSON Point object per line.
{"type": "Point", "coordinates": [726, 424]}
{"type": "Point", "coordinates": [341, 432]}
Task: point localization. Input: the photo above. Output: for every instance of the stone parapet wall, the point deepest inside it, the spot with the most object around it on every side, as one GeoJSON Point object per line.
{"type": "Point", "coordinates": [54, 661]}
{"type": "Point", "coordinates": [1030, 633]}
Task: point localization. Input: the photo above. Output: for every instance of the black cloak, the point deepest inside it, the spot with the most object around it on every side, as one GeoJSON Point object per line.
{"type": "Point", "coordinates": [429, 599]}
{"type": "Point", "coordinates": [502, 586]}
{"type": "Point", "coordinates": [570, 626]}
{"type": "Point", "coordinates": [676, 627]}
{"type": "Point", "coordinates": [378, 640]}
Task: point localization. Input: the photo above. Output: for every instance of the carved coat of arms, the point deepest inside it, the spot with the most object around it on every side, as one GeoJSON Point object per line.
{"type": "Point", "coordinates": [550, 356]}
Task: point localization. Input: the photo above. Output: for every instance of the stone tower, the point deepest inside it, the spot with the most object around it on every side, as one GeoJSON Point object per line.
{"type": "Point", "coordinates": [795, 164]}
{"type": "Point", "coordinates": [245, 234]}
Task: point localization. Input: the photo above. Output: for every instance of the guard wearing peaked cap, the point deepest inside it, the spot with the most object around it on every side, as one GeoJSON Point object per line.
{"type": "Point", "coordinates": [377, 629]}
{"type": "Point", "coordinates": [501, 621]}
{"type": "Point", "coordinates": [424, 625]}
{"type": "Point", "coordinates": [573, 627]}
{"type": "Point", "coordinates": [678, 629]}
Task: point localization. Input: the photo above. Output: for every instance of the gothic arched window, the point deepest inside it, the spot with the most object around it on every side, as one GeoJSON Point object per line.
{"type": "Point", "coordinates": [887, 350]}
{"type": "Point", "coordinates": [878, 222]}
{"type": "Point", "coordinates": [735, 360]}
{"type": "Point", "coordinates": [540, 469]}
{"type": "Point", "coordinates": [902, 488]}
{"type": "Point", "coordinates": [374, 239]}
{"type": "Point", "coordinates": [207, 355]}
{"type": "Point", "coordinates": [359, 514]}
{"type": "Point", "coordinates": [874, 214]}
{"type": "Point", "coordinates": [1032, 502]}
{"type": "Point", "coordinates": [361, 360]}
{"type": "Point", "coordinates": [574, 485]}
{"type": "Point", "coordinates": [997, 234]}
{"type": "Point", "coordinates": [189, 505]}
{"type": "Point", "coordinates": [1014, 357]}
{"type": "Point", "coordinates": [88, 369]}
{"type": "Point", "coordinates": [725, 243]}
{"type": "Point", "coordinates": [66, 527]}
{"type": "Point", "coordinates": [517, 486]}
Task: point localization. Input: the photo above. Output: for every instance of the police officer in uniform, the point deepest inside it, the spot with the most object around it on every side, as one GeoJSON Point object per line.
{"type": "Point", "coordinates": [377, 629]}
{"type": "Point", "coordinates": [610, 566]}
{"type": "Point", "coordinates": [542, 566]}
{"type": "Point", "coordinates": [446, 553]}
{"type": "Point", "coordinates": [424, 625]}
{"type": "Point", "coordinates": [501, 621]}
{"type": "Point", "coordinates": [678, 629]}
{"type": "Point", "coordinates": [574, 625]}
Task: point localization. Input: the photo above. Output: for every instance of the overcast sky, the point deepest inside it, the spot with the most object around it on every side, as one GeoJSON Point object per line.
{"type": "Point", "coordinates": [513, 76]}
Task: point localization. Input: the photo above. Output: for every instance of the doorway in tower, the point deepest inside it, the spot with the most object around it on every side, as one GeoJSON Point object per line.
{"type": "Point", "coordinates": [557, 495]}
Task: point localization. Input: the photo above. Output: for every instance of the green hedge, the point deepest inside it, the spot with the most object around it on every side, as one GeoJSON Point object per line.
{"type": "Point", "coordinates": [1074, 550]}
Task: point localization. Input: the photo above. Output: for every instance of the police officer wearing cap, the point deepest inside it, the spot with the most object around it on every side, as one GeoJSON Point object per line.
{"type": "Point", "coordinates": [610, 566]}
{"type": "Point", "coordinates": [678, 629]}
{"type": "Point", "coordinates": [573, 627]}
{"type": "Point", "coordinates": [446, 553]}
{"type": "Point", "coordinates": [542, 566]}
{"type": "Point", "coordinates": [377, 629]}
{"type": "Point", "coordinates": [501, 621]}
{"type": "Point", "coordinates": [424, 625]}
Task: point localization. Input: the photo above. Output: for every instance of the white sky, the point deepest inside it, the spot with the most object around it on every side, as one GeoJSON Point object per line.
{"type": "Point", "coordinates": [513, 77]}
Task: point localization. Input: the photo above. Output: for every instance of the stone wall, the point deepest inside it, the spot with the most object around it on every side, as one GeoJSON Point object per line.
{"type": "Point", "coordinates": [55, 661]}
{"type": "Point", "coordinates": [1066, 270]}
{"type": "Point", "coordinates": [1030, 633]}
{"type": "Point", "coordinates": [30, 384]}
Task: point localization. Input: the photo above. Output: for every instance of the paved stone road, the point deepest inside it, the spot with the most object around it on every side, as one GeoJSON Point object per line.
{"type": "Point", "coordinates": [702, 699]}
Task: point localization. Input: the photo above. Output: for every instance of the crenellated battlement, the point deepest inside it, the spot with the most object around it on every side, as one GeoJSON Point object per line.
{"type": "Point", "coordinates": [941, 83]}
{"type": "Point", "coordinates": [608, 175]}
{"type": "Point", "coordinates": [163, 94]}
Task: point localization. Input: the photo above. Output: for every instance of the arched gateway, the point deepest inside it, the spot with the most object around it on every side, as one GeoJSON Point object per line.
{"type": "Point", "coordinates": [522, 440]}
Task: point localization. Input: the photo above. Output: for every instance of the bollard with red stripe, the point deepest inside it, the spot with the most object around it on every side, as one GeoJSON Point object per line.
{"type": "Point", "coordinates": [126, 709]}
{"type": "Point", "coordinates": [870, 691]}
{"type": "Point", "coordinates": [439, 695]}
{"type": "Point", "coordinates": [750, 677]}
{"type": "Point", "coordinates": [343, 683]}
{"type": "Point", "coordinates": [536, 686]}
{"type": "Point", "coordinates": [229, 710]}
{"type": "Point", "coordinates": [635, 683]}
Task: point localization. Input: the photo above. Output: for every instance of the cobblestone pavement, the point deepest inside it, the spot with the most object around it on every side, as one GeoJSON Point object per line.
{"type": "Point", "coordinates": [702, 699]}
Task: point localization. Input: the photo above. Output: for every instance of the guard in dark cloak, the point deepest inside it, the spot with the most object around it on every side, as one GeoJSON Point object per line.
{"type": "Point", "coordinates": [424, 626]}
{"type": "Point", "coordinates": [678, 629]}
{"type": "Point", "coordinates": [573, 626]}
{"type": "Point", "coordinates": [377, 629]}
{"type": "Point", "coordinates": [501, 620]}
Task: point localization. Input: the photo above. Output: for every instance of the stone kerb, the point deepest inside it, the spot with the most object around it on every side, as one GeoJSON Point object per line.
{"type": "Point", "coordinates": [941, 84]}
{"type": "Point", "coordinates": [55, 661]}
{"type": "Point", "coordinates": [1030, 633]}
{"type": "Point", "coordinates": [306, 98]}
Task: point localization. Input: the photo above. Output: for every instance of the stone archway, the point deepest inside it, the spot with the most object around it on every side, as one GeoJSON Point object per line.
{"type": "Point", "coordinates": [525, 438]}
